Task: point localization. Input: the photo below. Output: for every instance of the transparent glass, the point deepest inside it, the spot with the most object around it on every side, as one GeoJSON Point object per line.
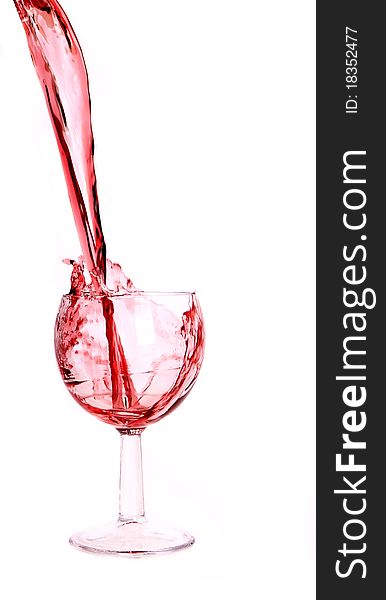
{"type": "Point", "coordinates": [160, 339]}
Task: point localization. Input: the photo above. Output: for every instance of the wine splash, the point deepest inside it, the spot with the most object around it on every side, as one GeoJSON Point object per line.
{"type": "Point", "coordinates": [161, 337]}
{"type": "Point", "coordinates": [93, 359]}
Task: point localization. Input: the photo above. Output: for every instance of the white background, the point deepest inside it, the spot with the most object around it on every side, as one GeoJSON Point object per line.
{"type": "Point", "coordinates": [205, 155]}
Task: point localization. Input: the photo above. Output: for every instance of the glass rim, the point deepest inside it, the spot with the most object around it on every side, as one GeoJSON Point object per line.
{"type": "Point", "coordinates": [127, 294]}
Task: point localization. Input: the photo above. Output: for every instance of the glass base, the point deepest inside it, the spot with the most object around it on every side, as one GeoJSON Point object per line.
{"type": "Point", "coordinates": [132, 539]}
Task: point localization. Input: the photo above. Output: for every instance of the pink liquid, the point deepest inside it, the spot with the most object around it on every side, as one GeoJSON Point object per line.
{"type": "Point", "coordinates": [59, 64]}
{"type": "Point", "coordinates": [161, 338]}
{"type": "Point", "coordinates": [93, 352]}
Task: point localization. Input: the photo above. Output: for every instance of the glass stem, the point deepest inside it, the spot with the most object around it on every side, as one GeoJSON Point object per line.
{"type": "Point", "coordinates": [131, 502]}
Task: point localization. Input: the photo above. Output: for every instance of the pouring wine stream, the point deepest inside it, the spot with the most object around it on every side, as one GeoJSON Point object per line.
{"type": "Point", "coordinates": [61, 69]}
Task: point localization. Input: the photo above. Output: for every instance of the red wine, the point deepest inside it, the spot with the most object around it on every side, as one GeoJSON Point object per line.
{"type": "Point", "coordinates": [161, 338]}
{"type": "Point", "coordinates": [60, 66]}
{"type": "Point", "coordinates": [125, 383]}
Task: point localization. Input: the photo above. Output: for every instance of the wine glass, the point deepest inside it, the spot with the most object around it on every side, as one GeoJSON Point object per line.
{"type": "Point", "coordinates": [130, 359]}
